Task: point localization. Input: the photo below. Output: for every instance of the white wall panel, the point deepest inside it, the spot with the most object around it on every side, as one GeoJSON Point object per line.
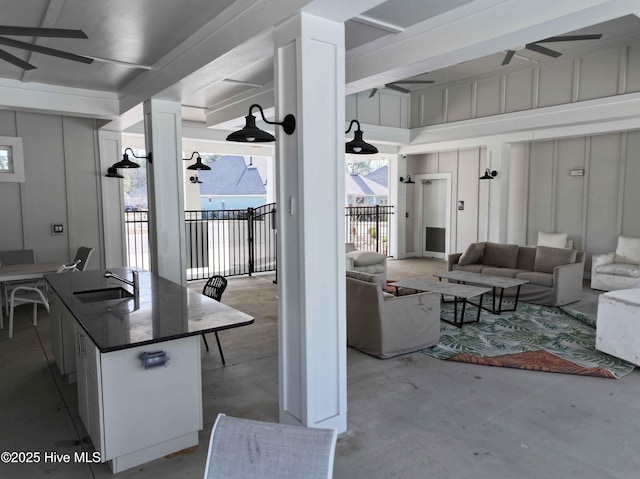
{"type": "Point", "coordinates": [540, 189]}
{"type": "Point", "coordinates": [633, 69]}
{"type": "Point", "coordinates": [459, 102]}
{"type": "Point", "coordinates": [448, 163]}
{"type": "Point", "coordinates": [518, 188]}
{"type": "Point", "coordinates": [467, 191]}
{"type": "Point", "coordinates": [10, 207]}
{"type": "Point", "coordinates": [488, 96]}
{"type": "Point", "coordinates": [631, 197]}
{"type": "Point", "coordinates": [390, 110]}
{"type": "Point", "coordinates": [368, 108]}
{"type": "Point", "coordinates": [555, 84]}
{"type": "Point", "coordinates": [431, 108]}
{"type": "Point", "coordinates": [569, 189]}
{"type": "Point", "coordinates": [599, 75]}
{"type": "Point", "coordinates": [519, 91]}
{"type": "Point", "coordinates": [604, 184]}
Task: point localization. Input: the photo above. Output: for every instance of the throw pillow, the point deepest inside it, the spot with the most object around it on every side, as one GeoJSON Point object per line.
{"type": "Point", "coordinates": [366, 258]}
{"type": "Point", "coordinates": [500, 255]}
{"type": "Point", "coordinates": [553, 240]}
{"type": "Point", "coordinates": [628, 250]}
{"type": "Point", "coordinates": [548, 258]}
{"type": "Point", "coordinates": [472, 254]}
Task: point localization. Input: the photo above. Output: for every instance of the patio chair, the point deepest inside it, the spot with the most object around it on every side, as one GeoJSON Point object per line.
{"type": "Point", "coordinates": [7, 258]}
{"type": "Point", "coordinates": [245, 448]}
{"type": "Point", "coordinates": [26, 295]}
{"type": "Point", "coordinates": [214, 288]}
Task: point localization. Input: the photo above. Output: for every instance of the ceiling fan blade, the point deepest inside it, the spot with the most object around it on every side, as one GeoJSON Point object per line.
{"type": "Point", "coordinates": [16, 61]}
{"type": "Point", "coordinates": [508, 57]}
{"type": "Point", "coordinates": [41, 32]}
{"type": "Point", "coordinates": [571, 38]}
{"type": "Point", "coordinates": [391, 86]}
{"type": "Point", "coordinates": [413, 82]}
{"type": "Point", "coordinates": [373, 92]}
{"type": "Point", "coordinates": [44, 50]}
{"type": "Point", "coordinates": [534, 47]}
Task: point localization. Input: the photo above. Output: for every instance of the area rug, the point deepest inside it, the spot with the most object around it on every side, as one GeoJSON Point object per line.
{"type": "Point", "coordinates": [534, 337]}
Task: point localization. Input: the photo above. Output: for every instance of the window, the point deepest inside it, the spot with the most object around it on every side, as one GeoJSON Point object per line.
{"type": "Point", "coordinates": [11, 162]}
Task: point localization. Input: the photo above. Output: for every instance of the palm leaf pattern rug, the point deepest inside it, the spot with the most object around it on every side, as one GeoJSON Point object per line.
{"type": "Point", "coordinates": [533, 337]}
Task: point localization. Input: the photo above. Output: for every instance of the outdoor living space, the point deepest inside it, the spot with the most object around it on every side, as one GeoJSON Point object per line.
{"type": "Point", "coordinates": [412, 416]}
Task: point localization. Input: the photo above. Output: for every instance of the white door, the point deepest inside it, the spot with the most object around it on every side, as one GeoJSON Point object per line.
{"type": "Point", "coordinates": [434, 217]}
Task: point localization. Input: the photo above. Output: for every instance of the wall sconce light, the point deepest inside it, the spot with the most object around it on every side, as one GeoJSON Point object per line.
{"type": "Point", "coordinates": [127, 163]}
{"type": "Point", "coordinates": [252, 134]}
{"type": "Point", "coordinates": [358, 146]}
{"type": "Point", "coordinates": [198, 165]}
{"type": "Point", "coordinates": [407, 180]}
{"type": "Point", "coordinates": [112, 172]}
{"type": "Point", "coordinates": [489, 175]}
{"type": "Point", "coordinates": [195, 179]}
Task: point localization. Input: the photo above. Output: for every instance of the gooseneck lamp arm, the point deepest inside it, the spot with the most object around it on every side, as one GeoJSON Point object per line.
{"type": "Point", "coordinates": [288, 124]}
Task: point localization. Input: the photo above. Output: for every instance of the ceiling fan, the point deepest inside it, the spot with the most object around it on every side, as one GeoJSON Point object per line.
{"type": "Point", "coordinates": [38, 32]}
{"type": "Point", "coordinates": [535, 47]}
{"type": "Point", "coordinates": [394, 85]}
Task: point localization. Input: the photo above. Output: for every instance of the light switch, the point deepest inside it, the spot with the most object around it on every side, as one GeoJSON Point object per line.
{"type": "Point", "coordinates": [57, 228]}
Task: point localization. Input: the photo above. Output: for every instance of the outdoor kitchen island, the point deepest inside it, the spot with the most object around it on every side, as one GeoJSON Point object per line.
{"type": "Point", "coordinates": [137, 359]}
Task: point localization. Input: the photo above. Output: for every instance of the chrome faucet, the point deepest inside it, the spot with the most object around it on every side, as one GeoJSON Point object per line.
{"type": "Point", "coordinates": [134, 283]}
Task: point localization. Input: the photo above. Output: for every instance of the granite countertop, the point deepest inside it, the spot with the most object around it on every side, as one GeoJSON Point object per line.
{"type": "Point", "coordinates": [163, 311]}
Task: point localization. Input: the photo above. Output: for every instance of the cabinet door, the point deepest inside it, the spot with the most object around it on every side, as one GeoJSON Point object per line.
{"type": "Point", "coordinates": [62, 335]}
{"type": "Point", "coordinates": [56, 330]}
{"type": "Point", "coordinates": [89, 388]}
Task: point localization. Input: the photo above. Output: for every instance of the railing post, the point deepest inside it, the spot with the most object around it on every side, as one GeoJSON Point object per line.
{"type": "Point", "coordinates": [377, 228]}
{"type": "Point", "coordinates": [251, 243]}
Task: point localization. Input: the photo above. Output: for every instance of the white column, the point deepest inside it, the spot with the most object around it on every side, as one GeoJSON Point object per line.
{"type": "Point", "coordinates": [498, 160]}
{"type": "Point", "coordinates": [309, 65]}
{"type": "Point", "coordinates": [163, 138]}
{"type": "Point", "coordinates": [398, 197]}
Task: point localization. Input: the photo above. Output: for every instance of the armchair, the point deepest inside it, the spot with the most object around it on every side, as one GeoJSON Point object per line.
{"type": "Point", "coordinates": [383, 325]}
{"type": "Point", "coordinates": [619, 269]}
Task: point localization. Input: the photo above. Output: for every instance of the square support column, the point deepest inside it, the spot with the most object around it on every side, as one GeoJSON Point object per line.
{"type": "Point", "coordinates": [163, 138]}
{"type": "Point", "coordinates": [309, 82]}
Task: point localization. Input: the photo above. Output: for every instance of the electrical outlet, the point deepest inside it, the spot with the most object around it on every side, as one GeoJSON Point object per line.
{"type": "Point", "coordinates": [57, 228]}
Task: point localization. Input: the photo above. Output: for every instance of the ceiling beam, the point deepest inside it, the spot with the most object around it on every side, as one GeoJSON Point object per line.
{"type": "Point", "coordinates": [489, 26]}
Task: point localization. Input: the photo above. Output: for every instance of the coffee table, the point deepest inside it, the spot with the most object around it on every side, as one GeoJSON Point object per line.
{"type": "Point", "coordinates": [494, 282]}
{"type": "Point", "coordinates": [460, 292]}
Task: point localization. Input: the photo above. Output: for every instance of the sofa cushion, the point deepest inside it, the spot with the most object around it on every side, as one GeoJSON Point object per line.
{"type": "Point", "coordinates": [504, 272]}
{"type": "Point", "coordinates": [471, 268]}
{"type": "Point", "coordinates": [537, 278]}
{"type": "Point", "coordinates": [472, 254]}
{"type": "Point", "coordinates": [620, 269]}
{"type": "Point", "coordinates": [500, 255]}
{"type": "Point", "coordinates": [366, 258]}
{"type": "Point", "coordinates": [628, 250]}
{"type": "Point", "coordinates": [373, 269]}
{"type": "Point", "coordinates": [526, 258]}
{"type": "Point", "coordinates": [553, 240]}
{"type": "Point", "coordinates": [367, 278]}
{"type": "Point", "coordinates": [548, 258]}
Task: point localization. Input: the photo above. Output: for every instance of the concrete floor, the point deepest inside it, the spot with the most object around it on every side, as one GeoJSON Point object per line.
{"type": "Point", "coordinates": [408, 417]}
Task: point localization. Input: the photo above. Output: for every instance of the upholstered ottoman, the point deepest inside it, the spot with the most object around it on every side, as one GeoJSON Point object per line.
{"type": "Point", "coordinates": [618, 324]}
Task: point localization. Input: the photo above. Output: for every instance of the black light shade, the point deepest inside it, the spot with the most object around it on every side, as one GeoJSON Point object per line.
{"type": "Point", "coordinates": [407, 180]}
{"type": "Point", "coordinates": [252, 134]}
{"type": "Point", "coordinates": [358, 146]}
{"type": "Point", "coordinates": [112, 172]}
{"type": "Point", "coordinates": [489, 175]}
{"type": "Point", "coordinates": [198, 165]}
{"type": "Point", "coordinates": [127, 163]}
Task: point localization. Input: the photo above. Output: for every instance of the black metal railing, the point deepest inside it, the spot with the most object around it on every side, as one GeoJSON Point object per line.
{"type": "Point", "coordinates": [368, 227]}
{"type": "Point", "coordinates": [136, 225]}
{"type": "Point", "coordinates": [238, 242]}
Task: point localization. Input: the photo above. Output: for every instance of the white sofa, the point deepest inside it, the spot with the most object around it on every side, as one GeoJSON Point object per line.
{"type": "Point", "coordinates": [619, 269]}
{"type": "Point", "coordinates": [368, 262]}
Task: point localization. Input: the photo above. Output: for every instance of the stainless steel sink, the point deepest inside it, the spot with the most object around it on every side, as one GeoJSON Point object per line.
{"type": "Point", "coordinates": [96, 295]}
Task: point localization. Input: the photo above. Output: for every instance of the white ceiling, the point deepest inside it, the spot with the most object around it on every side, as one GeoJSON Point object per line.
{"type": "Point", "coordinates": [137, 44]}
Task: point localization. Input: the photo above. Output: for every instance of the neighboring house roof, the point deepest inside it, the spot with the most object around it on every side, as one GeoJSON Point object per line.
{"type": "Point", "coordinates": [380, 176]}
{"type": "Point", "coordinates": [356, 185]}
{"type": "Point", "coordinates": [230, 176]}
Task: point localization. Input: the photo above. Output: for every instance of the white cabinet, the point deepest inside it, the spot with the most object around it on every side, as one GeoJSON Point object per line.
{"type": "Point", "coordinates": [132, 414]}
{"type": "Point", "coordinates": [62, 336]}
